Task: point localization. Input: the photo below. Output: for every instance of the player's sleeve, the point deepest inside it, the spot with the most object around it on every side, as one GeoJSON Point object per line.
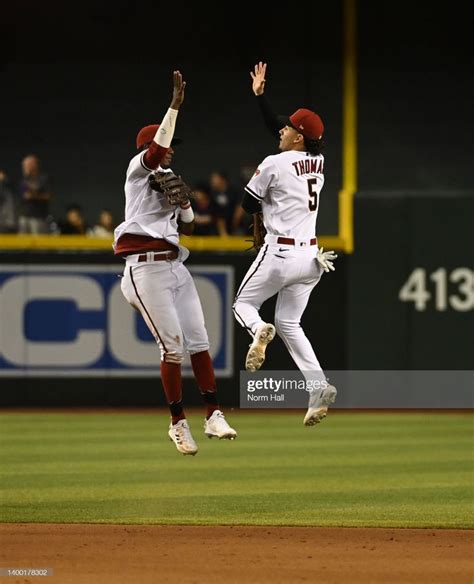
{"type": "Point", "coordinates": [250, 204]}
{"type": "Point", "coordinates": [269, 117]}
{"type": "Point", "coordinates": [154, 155]}
{"type": "Point", "coordinates": [137, 169]}
{"type": "Point", "coordinates": [262, 181]}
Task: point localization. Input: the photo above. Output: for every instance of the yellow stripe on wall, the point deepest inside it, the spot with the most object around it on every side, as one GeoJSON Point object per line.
{"type": "Point", "coordinates": [80, 242]}
{"type": "Point", "coordinates": [349, 127]}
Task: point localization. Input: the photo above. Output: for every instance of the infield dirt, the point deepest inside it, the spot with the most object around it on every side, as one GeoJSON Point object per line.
{"type": "Point", "coordinates": [120, 554]}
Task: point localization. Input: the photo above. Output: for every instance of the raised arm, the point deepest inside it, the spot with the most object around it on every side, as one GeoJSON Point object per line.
{"type": "Point", "coordinates": [258, 87]}
{"type": "Point", "coordinates": [164, 135]}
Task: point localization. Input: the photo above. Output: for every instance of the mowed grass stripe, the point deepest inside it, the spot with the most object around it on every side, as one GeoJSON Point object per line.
{"type": "Point", "coordinates": [354, 469]}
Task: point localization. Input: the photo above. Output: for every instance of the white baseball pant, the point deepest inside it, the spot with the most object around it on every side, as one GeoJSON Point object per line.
{"type": "Point", "coordinates": [165, 294]}
{"type": "Point", "coordinates": [291, 271]}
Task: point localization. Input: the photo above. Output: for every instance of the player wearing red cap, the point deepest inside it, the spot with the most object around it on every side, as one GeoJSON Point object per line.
{"type": "Point", "coordinates": [156, 282]}
{"type": "Point", "coordinates": [285, 189]}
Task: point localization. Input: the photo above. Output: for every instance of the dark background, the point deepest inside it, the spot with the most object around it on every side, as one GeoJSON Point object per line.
{"type": "Point", "coordinates": [78, 81]}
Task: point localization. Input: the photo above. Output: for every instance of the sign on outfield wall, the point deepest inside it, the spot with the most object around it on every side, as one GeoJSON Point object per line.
{"type": "Point", "coordinates": [411, 293]}
{"type": "Point", "coordinates": [74, 321]}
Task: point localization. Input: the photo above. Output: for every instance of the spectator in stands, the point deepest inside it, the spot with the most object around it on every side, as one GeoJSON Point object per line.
{"type": "Point", "coordinates": [36, 194]}
{"type": "Point", "coordinates": [225, 200]}
{"type": "Point", "coordinates": [74, 224]}
{"type": "Point", "coordinates": [105, 225]}
{"type": "Point", "coordinates": [7, 205]}
{"type": "Point", "coordinates": [204, 211]}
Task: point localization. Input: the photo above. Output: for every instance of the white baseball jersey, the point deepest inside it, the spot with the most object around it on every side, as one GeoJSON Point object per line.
{"type": "Point", "coordinates": [288, 185]}
{"type": "Point", "coordinates": [162, 291]}
{"type": "Point", "coordinates": [147, 212]}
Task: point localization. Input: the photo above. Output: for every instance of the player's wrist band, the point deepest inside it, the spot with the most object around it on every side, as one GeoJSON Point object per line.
{"type": "Point", "coordinates": [164, 135]}
{"type": "Point", "coordinates": [186, 215]}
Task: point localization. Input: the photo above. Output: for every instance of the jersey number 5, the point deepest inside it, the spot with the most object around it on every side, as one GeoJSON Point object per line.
{"type": "Point", "coordinates": [313, 201]}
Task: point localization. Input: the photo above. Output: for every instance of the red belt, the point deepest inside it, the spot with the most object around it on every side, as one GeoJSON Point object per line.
{"type": "Point", "coordinates": [290, 241]}
{"type": "Point", "coordinates": [159, 257]}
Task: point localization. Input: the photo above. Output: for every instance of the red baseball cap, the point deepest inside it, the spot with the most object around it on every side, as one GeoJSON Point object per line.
{"type": "Point", "coordinates": [307, 123]}
{"type": "Point", "coordinates": [146, 135]}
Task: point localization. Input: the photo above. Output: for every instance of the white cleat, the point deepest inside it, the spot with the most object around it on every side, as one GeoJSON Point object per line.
{"type": "Point", "coordinates": [180, 434]}
{"type": "Point", "coordinates": [264, 334]}
{"type": "Point", "coordinates": [318, 405]}
{"type": "Point", "coordinates": [217, 426]}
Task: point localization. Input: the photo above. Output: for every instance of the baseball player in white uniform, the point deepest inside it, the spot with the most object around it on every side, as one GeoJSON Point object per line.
{"type": "Point", "coordinates": [285, 189]}
{"type": "Point", "coordinates": [156, 282]}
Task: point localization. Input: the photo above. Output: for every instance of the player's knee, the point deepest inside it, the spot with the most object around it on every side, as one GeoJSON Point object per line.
{"type": "Point", "coordinates": [173, 357]}
{"type": "Point", "coordinates": [197, 347]}
{"type": "Point", "coordinates": [238, 307]}
{"type": "Point", "coordinates": [286, 327]}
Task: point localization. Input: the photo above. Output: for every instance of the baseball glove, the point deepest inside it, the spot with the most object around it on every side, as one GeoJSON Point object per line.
{"type": "Point", "coordinates": [172, 186]}
{"type": "Point", "coordinates": [258, 231]}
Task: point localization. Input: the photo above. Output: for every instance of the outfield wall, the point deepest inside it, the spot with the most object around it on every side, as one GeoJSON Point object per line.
{"type": "Point", "coordinates": [411, 282]}
{"type": "Point", "coordinates": [402, 302]}
{"type": "Point", "coordinates": [67, 335]}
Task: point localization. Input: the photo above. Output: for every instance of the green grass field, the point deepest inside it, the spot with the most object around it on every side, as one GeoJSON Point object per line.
{"type": "Point", "coordinates": [397, 470]}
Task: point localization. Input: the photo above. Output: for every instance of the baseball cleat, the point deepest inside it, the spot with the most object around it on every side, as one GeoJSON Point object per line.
{"type": "Point", "coordinates": [264, 334]}
{"type": "Point", "coordinates": [318, 405]}
{"type": "Point", "coordinates": [217, 425]}
{"type": "Point", "coordinates": [180, 434]}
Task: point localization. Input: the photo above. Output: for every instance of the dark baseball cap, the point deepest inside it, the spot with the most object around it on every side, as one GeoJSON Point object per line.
{"type": "Point", "coordinates": [306, 122]}
{"type": "Point", "coordinates": [146, 135]}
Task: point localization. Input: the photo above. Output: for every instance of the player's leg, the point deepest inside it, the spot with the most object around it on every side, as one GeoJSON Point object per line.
{"type": "Point", "coordinates": [263, 280]}
{"type": "Point", "coordinates": [258, 284]}
{"type": "Point", "coordinates": [196, 343]}
{"type": "Point", "coordinates": [291, 303]}
{"type": "Point", "coordinates": [149, 289]}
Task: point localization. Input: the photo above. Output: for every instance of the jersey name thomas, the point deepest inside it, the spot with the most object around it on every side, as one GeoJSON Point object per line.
{"type": "Point", "coordinates": [313, 165]}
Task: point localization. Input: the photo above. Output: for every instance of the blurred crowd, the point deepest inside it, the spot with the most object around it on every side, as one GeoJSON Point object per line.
{"type": "Point", "coordinates": [217, 209]}
{"type": "Point", "coordinates": [25, 208]}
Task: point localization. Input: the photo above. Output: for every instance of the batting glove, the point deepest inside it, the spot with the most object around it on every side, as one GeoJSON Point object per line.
{"type": "Point", "coordinates": [326, 258]}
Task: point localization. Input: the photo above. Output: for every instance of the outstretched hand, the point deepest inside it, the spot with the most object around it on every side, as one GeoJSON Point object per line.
{"type": "Point", "coordinates": [258, 78]}
{"type": "Point", "coordinates": [178, 90]}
